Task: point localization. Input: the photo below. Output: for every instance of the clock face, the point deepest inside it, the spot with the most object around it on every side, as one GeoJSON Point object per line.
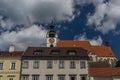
{"type": "Point", "coordinates": [51, 40]}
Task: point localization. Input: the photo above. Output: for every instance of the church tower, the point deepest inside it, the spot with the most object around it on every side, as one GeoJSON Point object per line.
{"type": "Point", "coordinates": [51, 37]}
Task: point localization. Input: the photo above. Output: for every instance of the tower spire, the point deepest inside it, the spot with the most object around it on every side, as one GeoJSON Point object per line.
{"type": "Point", "coordinates": [51, 36]}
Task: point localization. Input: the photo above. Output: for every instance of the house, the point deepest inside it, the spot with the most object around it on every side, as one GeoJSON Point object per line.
{"type": "Point", "coordinates": [104, 73]}
{"type": "Point", "coordinates": [96, 53]}
{"type": "Point", "coordinates": [10, 64]}
{"type": "Point", "coordinates": [55, 63]}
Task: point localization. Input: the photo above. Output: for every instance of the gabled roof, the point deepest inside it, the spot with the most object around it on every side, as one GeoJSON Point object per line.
{"type": "Point", "coordinates": [75, 43]}
{"type": "Point", "coordinates": [11, 54]}
{"type": "Point", "coordinates": [104, 72]}
{"type": "Point", "coordinates": [103, 51]}
{"type": "Point", "coordinates": [46, 53]}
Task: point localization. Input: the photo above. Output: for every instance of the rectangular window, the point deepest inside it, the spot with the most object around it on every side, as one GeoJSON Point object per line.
{"type": "Point", "coordinates": [13, 66]}
{"type": "Point", "coordinates": [72, 52]}
{"type": "Point", "coordinates": [83, 77]}
{"type": "Point", "coordinates": [36, 64]}
{"type": "Point", "coordinates": [61, 64]}
{"type": "Point", "coordinates": [1, 65]}
{"type": "Point", "coordinates": [25, 64]}
{"type": "Point", "coordinates": [49, 77]}
{"type": "Point", "coordinates": [0, 77]}
{"type": "Point", "coordinates": [25, 77]}
{"type": "Point", "coordinates": [35, 77]}
{"type": "Point", "coordinates": [49, 64]}
{"type": "Point", "coordinates": [72, 64]}
{"type": "Point", "coordinates": [72, 77]}
{"type": "Point", "coordinates": [61, 77]}
{"type": "Point", "coordinates": [82, 64]}
{"type": "Point", "coordinates": [55, 52]}
{"type": "Point", "coordinates": [10, 78]}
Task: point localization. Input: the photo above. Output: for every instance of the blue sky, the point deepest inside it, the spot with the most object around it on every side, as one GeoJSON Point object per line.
{"type": "Point", "coordinates": [25, 22]}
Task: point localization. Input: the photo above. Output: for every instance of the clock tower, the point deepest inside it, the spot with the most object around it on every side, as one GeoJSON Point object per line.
{"type": "Point", "coordinates": [51, 37]}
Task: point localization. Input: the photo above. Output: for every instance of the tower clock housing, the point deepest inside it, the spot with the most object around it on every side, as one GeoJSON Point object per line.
{"type": "Point", "coordinates": [51, 37]}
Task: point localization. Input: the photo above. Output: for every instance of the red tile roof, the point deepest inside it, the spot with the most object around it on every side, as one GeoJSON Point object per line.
{"type": "Point", "coordinates": [104, 72]}
{"type": "Point", "coordinates": [75, 43]}
{"type": "Point", "coordinates": [102, 51]}
{"type": "Point", "coordinates": [14, 54]}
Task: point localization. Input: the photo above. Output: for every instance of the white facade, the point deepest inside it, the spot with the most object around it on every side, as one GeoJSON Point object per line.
{"type": "Point", "coordinates": [42, 71]}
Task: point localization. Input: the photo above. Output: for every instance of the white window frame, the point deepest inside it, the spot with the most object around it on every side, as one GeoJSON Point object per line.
{"type": "Point", "coordinates": [35, 77]}
{"type": "Point", "coordinates": [83, 64]}
{"type": "Point", "coordinates": [49, 77]}
{"type": "Point", "coordinates": [72, 64]}
{"type": "Point", "coordinates": [25, 77]}
{"type": "Point", "coordinates": [61, 77]}
{"type": "Point", "coordinates": [49, 63]}
{"type": "Point", "coordinates": [36, 65]}
{"type": "Point", "coordinates": [25, 65]}
{"type": "Point", "coordinates": [0, 77]}
{"type": "Point", "coordinates": [1, 65]}
{"type": "Point", "coordinates": [61, 64]}
{"type": "Point", "coordinates": [10, 78]}
{"type": "Point", "coordinates": [12, 67]}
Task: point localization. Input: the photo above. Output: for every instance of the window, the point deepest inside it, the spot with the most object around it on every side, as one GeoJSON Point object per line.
{"type": "Point", "coordinates": [72, 64]}
{"type": "Point", "coordinates": [49, 77]}
{"type": "Point", "coordinates": [36, 64]}
{"type": "Point", "coordinates": [72, 52]}
{"type": "Point", "coordinates": [49, 64]}
{"type": "Point", "coordinates": [10, 78]}
{"type": "Point", "coordinates": [37, 52]}
{"type": "Point", "coordinates": [61, 77]}
{"type": "Point", "coordinates": [25, 77]}
{"type": "Point", "coordinates": [72, 77]}
{"type": "Point", "coordinates": [35, 77]}
{"type": "Point", "coordinates": [91, 59]}
{"type": "Point", "coordinates": [13, 65]}
{"type": "Point", "coordinates": [61, 64]}
{"type": "Point", "coordinates": [83, 78]}
{"type": "Point", "coordinates": [1, 65]}
{"type": "Point", "coordinates": [25, 64]}
{"type": "Point", "coordinates": [82, 65]}
{"type": "Point", "coordinates": [0, 77]}
{"type": "Point", "coordinates": [55, 51]}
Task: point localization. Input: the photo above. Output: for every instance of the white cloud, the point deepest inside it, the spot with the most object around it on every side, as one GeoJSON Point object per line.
{"type": "Point", "coordinates": [95, 41]}
{"type": "Point", "coordinates": [6, 24]}
{"type": "Point", "coordinates": [20, 11]}
{"type": "Point", "coordinates": [31, 36]}
{"type": "Point", "coordinates": [106, 15]}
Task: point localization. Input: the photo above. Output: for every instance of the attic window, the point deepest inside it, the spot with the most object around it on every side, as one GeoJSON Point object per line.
{"type": "Point", "coordinates": [37, 52]}
{"type": "Point", "coordinates": [55, 51]}
{"type": "Point", "coordinates": [72, 52]}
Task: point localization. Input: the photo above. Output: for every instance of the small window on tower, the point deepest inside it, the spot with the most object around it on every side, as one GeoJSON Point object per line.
{"type": "Point", "coordinates": [51, 35]}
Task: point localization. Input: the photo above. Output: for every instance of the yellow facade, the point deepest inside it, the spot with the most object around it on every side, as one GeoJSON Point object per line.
{"type": "Point", "coordinates": [7, 73]}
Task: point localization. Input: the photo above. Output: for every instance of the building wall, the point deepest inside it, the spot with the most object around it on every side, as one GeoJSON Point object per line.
{"type": "Point", "coordinates": [116, 78]}
{"type": "Point", "coordinates": [6, 72]}
{"type": "Point", "coordinates": [101, 78]}
{"type": "Point", "coordinates": [55, 71]}
{"type": "Point", "coordinates": [111, 60]}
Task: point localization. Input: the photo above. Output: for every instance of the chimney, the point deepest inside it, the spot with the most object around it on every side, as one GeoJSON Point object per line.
{"type": "Point", "coordinates": [11, 48]}
{"type": "Point", "coordinates": [107, 43]}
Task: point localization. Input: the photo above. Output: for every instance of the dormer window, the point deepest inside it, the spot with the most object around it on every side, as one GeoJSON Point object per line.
{"type": "Point", "coordinates": [72, 52]}
{"type": "Point", "coordinates": [55, 52]}
{"type": "Point", "coordinates": [37, 52]}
